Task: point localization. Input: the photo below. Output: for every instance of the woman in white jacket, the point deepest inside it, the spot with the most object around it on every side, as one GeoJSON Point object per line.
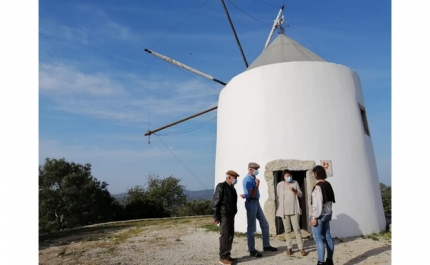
{"type": "Point", "coordinates": [322, 201]}
{"type": "Point", "coordinates": [288, 192]}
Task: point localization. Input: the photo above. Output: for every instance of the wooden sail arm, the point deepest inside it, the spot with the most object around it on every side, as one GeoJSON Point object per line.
{"type": "Point", "coordinates": [276, 23]}
{"type": "Point", "coordinates": [234, 32]}
{"type": "Point", "coordinates": [176, 122]}
{"type": "Point", "coordinates": [170, 60]}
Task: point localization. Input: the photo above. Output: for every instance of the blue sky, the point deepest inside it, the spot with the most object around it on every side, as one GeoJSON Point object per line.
{"type": "Point", "coordinates": [99, 91]}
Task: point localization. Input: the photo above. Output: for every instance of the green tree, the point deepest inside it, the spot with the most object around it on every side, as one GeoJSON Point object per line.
{"type": "Point", "coordinates": [137, 193]}
{"type": "Point", "coordinates": [167, 192]}
{"type": "Point", "coordinates": [386, 197]}
{"type": "Point", "coordinates": [196, 207]}
{"type": "Point", "coordinates": [138, 205]}
{"type": "Point", "coordinates": [70, 196]}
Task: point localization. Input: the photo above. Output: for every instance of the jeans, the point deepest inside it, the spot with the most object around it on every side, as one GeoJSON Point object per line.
{"type": "Point", "coordinates": [253, 213]}
{"type": "Point", "coordinates": [322, 236]}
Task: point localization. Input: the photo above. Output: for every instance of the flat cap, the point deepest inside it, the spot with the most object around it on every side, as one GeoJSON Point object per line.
{"type": "Point", "coordinates": [232, 173]}
{"type": "Point", "coordinates": [253, 165]}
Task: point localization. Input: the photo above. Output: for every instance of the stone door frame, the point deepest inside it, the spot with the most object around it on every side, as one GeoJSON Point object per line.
{"type": "Point", "coordinates": [294, 165]}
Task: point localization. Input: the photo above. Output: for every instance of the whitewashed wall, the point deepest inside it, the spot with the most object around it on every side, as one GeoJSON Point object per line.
{"type": "Point", "coordinates": [302, 111]}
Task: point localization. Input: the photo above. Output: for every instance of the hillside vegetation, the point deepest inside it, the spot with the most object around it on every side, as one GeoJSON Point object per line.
{"type": "Point", "coordinates": [69, 197]}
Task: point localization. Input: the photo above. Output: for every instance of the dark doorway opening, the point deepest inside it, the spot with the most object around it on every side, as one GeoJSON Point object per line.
{"type": "Point", "coordinates": [300, 177]}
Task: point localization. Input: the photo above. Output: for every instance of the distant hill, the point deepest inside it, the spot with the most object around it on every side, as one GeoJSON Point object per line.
{"type": "Point", "coordinates": [120, 197]}
{"type": "Point", "coordinates": [198, 195]}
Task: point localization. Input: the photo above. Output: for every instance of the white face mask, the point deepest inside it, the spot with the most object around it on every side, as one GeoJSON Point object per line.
{"type": "Point", "coordinates": [255, 172]}
{"type": "Point", "coordinates": [288, 179]}
{"type": "Point", "coordinates": [234, 181]}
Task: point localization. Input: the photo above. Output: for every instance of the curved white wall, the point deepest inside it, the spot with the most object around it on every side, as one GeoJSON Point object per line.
{"type": "Point", "coordinates": [302, 111]}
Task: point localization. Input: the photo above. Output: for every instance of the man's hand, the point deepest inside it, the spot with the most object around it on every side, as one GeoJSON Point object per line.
{"type": "Point", "coordinates": [257, 182]}
{"type": "Point", "coordinates": [216, 222]}
{"type": "Point", "coordinates": [314, 222]}
{"type": "Point", "coordinates": [242, 195]}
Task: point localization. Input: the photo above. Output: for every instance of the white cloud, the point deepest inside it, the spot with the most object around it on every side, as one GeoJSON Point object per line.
{"type": "Point", "coordinates": [62, 79]}
{"type": "Point", "coordinates": [87, 153]}
{"type": "Point", "coordinates": [101, 30]}
{"type": "Point", "coordinates": [56, 32]}
{"type": "Point", "coordinates": [115, 30]}
{"type": "Point", "coordinates": [100, 95]}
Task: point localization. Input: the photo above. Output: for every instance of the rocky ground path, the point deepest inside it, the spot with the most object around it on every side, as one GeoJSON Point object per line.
{"type": "Point", "coordinates": [188, 241]}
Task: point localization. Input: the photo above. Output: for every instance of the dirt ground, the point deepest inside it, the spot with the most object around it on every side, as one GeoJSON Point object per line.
{"type": "Point", "coordinates": [188, 241]}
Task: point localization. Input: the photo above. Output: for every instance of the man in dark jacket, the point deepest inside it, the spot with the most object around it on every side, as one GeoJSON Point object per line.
{"type": "Point", "coordinates": [224, 204]}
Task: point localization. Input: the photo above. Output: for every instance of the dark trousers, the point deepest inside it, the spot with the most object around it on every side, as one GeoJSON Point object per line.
{"type": "Point", "coordinates": [226, 236]}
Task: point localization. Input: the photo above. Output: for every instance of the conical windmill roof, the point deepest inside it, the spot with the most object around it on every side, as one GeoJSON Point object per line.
{"type": "Point", "coordinates": [284, 49]}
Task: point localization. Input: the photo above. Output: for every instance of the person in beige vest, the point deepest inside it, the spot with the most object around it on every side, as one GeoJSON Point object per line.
{"type": "Point", "coordinates": [288, 192]}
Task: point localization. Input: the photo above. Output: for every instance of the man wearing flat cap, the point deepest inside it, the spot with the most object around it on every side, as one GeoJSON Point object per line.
{"type": "Point", "coordinates": [254, 212]}
{"type": "Point", "coordinates": [224, 204]}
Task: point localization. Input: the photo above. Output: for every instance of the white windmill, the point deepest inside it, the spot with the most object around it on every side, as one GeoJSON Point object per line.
{"type": "Point", "coordinates": [292, 109]}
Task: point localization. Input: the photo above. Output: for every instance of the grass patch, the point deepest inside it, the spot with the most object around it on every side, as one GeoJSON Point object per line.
{"type": "Point", "coordinates": [240, 234]}
{"type": "Point", "coordinates": [184, 221]}
{"type": "Point", "coordinates": [386, 235]}
{"type": "Point", "coordinates": [373, 236]}
{"type": "Point", "coordinates": [90, 238]}
{"type": "Point", "coordinates": [211, 227]}
{"type": "Point", "coordinates": [62, 251]}
{"type": "Point", "coordinates": [258, 235]}
{"type": "Point", "coordinates": [215, 228]}
{"type": "Point", "coordinates": [121, 238]}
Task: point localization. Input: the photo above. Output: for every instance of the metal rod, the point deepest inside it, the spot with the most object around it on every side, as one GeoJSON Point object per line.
{"type": "Point", "coordinates": [275, 24]}
{"type": "Point", "coordinates": [235, 35]}
{"type": "Point", "coordinates": [170, 60]}
{"type": "Point", "coordinates": [171, 124]}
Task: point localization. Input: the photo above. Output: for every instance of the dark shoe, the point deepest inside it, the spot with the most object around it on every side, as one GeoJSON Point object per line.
{"type": "Point", "coordinates": [329, 262]}
{"type": "Point", "coordinates": [225, 262]}
{"type": "Point", "coordinates": [255, 253]}
{"type": "Point", "coordinates": [270, 248]}
{"type": "Point", "coordinates": [289, 252]}
{"type": "Point", "coordinates": [232, 259]}
{"type": "Point", "coordinates": [321, 263]}
{"type": "Point", "coordinates": [303, 253]}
